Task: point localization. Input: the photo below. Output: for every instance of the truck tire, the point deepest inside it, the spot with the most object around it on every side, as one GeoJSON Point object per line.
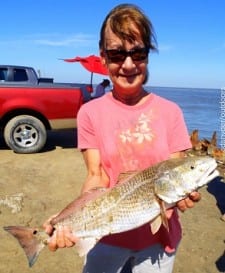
{"type": "Point", "coordinates": [25, 134]}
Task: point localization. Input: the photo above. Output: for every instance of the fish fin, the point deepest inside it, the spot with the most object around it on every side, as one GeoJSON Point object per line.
{"type": "Point", "coordinates": [156, 224]}
{"type": "Point", "coordinates": [28, 240]}
{"type": "Point", "coordinates": [83, 245]}
{"type": "Point", "coordinates": [163, 215]}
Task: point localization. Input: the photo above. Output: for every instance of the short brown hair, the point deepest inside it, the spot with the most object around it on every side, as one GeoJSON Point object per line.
{"type": "Point", "coordinates": [120, 19]}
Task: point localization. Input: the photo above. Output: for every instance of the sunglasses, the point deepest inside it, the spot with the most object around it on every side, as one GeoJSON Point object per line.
{"type": "Point", "coordinates": [119, 55]}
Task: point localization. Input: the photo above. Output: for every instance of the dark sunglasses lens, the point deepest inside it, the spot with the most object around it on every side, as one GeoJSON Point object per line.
{"type": "Point", "coordinates": [138, 54]}
{"type": "Point", "coordinates": [115, 55]}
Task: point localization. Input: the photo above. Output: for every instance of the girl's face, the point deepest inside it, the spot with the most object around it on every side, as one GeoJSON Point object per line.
{"type": "Point", "coordinates": [127, 68]}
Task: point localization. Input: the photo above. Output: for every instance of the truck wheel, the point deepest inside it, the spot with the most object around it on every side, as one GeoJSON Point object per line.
{"type": "Point", "coordinates": [25, 134]}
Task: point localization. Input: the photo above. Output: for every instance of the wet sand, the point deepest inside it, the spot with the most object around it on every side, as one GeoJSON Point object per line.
{"type": "Point", "coordinates": [48, 181]}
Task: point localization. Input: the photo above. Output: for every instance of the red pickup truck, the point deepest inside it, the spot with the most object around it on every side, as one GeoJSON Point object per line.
{"type": "Point", "coordinates": [30, 106]}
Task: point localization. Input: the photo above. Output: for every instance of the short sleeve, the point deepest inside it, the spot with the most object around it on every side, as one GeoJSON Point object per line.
{"type": "Point", "coordinates": [178, 137]}
{"type": "Point", "coordinates": [85, 130]}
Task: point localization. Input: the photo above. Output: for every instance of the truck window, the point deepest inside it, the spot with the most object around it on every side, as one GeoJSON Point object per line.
{"type": "Point", "coordinates": [3, 73]}
{"type": "Point", "coordinates": [20, 75]}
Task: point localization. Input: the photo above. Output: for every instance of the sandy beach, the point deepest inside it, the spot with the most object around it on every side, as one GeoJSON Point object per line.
{"type": "Point", "coordinates": [46, 182]}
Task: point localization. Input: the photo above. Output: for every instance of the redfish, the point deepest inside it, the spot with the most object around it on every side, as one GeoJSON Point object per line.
{"type": "Point", "coordinates": [138, 198]}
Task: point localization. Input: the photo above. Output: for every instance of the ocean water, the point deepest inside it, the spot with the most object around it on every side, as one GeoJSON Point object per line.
{"type": "Point", "coordinates": [201, 108]}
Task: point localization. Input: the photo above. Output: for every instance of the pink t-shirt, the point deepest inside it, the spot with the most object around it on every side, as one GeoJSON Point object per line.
{"type": "Point", "coordinates": [132, 138]}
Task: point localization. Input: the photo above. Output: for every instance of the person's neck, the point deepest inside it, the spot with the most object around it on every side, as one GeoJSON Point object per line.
{"type": "Point", "coordinates": [130, 99]}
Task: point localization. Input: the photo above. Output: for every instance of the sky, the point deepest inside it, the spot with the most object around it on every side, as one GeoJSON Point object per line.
{"type": "Point", "coordinates": [190, 35]}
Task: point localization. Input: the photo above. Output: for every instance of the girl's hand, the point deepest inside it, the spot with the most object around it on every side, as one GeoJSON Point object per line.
{"type": "Point", "coordinates": [60, 237]}
{"type": "Point", "coordinates": [189, 201]}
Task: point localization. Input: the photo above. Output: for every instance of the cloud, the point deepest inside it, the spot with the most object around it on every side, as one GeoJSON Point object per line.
{"type": "Point", "coordinates": [53, 40]}
{"type": "Point", "coordinates": [165, 48]}
{"type": "Point", "coordinates": [218, 48]}
{"type": "Point", "coordinates": [73, 40]}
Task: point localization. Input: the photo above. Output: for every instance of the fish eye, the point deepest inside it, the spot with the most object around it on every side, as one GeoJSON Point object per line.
{"type": "Point", "coordinates": [35, 232]}
{"type": "Point", "coordinates": [192, 167]}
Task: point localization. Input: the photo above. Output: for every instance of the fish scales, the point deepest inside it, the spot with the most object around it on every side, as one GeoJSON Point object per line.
{"type": "Point", "coordinates": [105, 215]}
{"type": "Point", "coordinates": [133, 202]}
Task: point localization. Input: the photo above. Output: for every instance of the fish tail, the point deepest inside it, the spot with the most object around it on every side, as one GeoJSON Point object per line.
{"type": "Point", "coordinates": [30, 239]}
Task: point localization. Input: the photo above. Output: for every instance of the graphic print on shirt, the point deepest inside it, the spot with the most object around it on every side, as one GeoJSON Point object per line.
{"type": "Point", "coordinates": [134, 140]}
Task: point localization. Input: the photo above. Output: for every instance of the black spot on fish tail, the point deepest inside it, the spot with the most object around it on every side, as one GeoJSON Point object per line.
{"type": "Point", "coordinates": [29, 240]}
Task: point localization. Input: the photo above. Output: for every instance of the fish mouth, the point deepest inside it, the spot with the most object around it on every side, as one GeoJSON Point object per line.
{"type": "Point", "coordinates": [209, 175]}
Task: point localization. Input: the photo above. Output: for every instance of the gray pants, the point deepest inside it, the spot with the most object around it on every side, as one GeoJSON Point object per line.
{"type": "Point", "coordinates": [104, 258]}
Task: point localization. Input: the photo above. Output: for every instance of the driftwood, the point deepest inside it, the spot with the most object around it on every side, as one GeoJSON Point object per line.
{"type": "Point", "coordinates": [208, 147]}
